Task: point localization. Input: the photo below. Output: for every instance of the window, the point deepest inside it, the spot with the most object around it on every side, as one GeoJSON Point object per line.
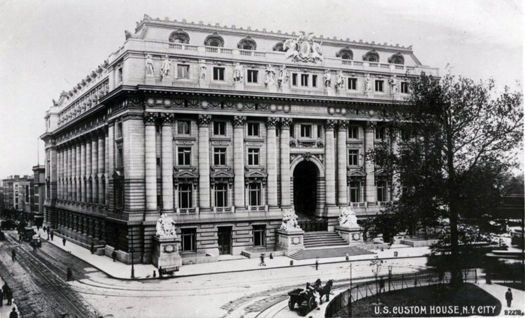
{"type": "Point", "coordinates": [188, 240]}
{"type": "Point", "coordinates": [252, 76]}
{"type": "Point", "coordinates": [183, 71]}
{"type": "Point", "coordinates": [345, 54]}
{"type": "Point", "coordinates": [118, 133]}
{"type": "Point", "coordinates": [397, 59]}
{"type": "Point", "coordinates": [179, 36]}
{"type": "Point", "coordinates": [314, 80]}
{"type": "Point", "coordinates": [254, 194]}
{"type": "Point", "coordinates": [381, 191]}
{"type": "Point", "coordinates": [379, 85]}
{"type": "Point", "coordinates": [259, 235]}
{"type": "Point", "coordinates": [306, 131]}
{"type": "Point", "coordinates": [120, 159]}
{"type": "Point", "coordinates": [294, 79]}
{"type": "Point", "coordinates": [304, 79]}
{"type": "Point", "coordinates": [218, 73]}
{"type": "Point", "coordinates": [183, 127]}
{"type": "Point", "coordinates": [371, 56]}
{"type": "Point", "coordinates": [247, 44]}
{"type": "Point", "coordinates": [185, 193]}
{"type": "Point", "coordinates": [353, 132]}
{"type": "Point", "coordinates": [118, 192]}
{"type": "Point", "coordinates": [119, 75]}
{"type": "Point", "coordinates": [404, 87]}
{"type": "Point", "coordinates": [352, 83]}
{"type": "Point", "coordinates": [219, 128]}
{"type": "Point", "coordinates": [319, 131]}
{"type": "Point", "coordinates": [214, 40]}
{"type": "Point", "coordinates": [184, 156]}
{"type": "Point", "coordinates": [355, 191]}
{"type": "Point", "coordinates": [221, 195]}
{"type": "Point", "coordinates": [353, 157]}
{"type": "Point", "coordinates": [219, 156]}
{"type": "Point", "coordinates": [253, 129]}
{"type": "Point", "coordinates": [380, 133]}
{"type": "Point", "coordinates": [253, 157]}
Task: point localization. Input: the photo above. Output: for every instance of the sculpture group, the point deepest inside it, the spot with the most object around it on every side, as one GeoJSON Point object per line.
{"type": "Point", "coordinates": [303, 49]}
{"type": "Point", "coordinates": [166, 227]}
{"type": "Point", "coordinates": [289, 221]}
{"type": "Point", "coordinates": [347, 218]}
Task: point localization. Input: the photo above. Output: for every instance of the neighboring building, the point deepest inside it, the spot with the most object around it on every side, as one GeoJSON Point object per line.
{"type": "Point", "coordinates": [222, 129]}
{"type": "Point", "coordinates": [18, 195]}
{"type": "Point", "coordinates": [37, 208]}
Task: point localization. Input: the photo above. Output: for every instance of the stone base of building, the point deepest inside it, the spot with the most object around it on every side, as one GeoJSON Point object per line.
{"type": "Point", "coordinates": [291, 241]}
{"type": "Point", "coordinates": [166, 252]}
{"type": "Point", "coordinates": [352, 235]}
{"type": "Point", "coordinates": [121, 256]}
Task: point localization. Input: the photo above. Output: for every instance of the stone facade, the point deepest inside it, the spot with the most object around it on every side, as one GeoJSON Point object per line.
{"type": "Point", "coordinates": [221, 129]}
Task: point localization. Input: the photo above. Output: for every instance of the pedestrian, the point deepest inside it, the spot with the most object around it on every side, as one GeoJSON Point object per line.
{"type": "Point", "coordinates": [1, 298]}
{"type": "Point", "coordinates": [92, 248]}
{"type": "Point", "coordinates": [271, 256]}
{"type": "Point", "coordinates": [44, 228]}
{"type": "Point", "coordinates": [508, 297]}
{"type": "Point", "coordinates": [381, 285]}
{"type": "Point", "coordinates": [154, 273]}
{"type": "Point", "coordinates": [347, 257]}
{"type": "Point", "coordinates": [64, 241]}
{"type": "Point", "coordinates": [52, 234]}
{"type": "Point", "coordinates": [9, 295]}
{"type": "Point", "coordinates": [262, 260]}
{"type": "Point", "coordinates": [316, 264]}
{"type": "Point", "coordinates": [13, 254]}
{"type": "Point", "coordinates": [160, 271]}
{"type": "Point", "coordinates": [13, 313]}
{"type": "Point", "coordinates": [114, 255]}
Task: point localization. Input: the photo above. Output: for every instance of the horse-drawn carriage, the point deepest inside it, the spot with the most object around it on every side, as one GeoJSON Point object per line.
{"type": "Point", "coordinates": [309, 298]}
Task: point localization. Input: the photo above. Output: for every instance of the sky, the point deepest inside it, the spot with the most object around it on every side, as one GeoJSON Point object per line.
{"type": "Point", "coordinates": [48, 46]}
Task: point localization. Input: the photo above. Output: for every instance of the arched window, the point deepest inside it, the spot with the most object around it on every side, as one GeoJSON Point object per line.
{"type": "Point", "coordinates": [247, 44]}
{"type": "Point", "coordinates": [371, 56]}
{"type": "Point", "coordinates": [179, 36]}
{"type": "Point", "coordinates": [397, 59]}
{"type": "Point", "coordinates": [214, 40]}
{"type": "Point", "coordinates": [278, 47]}
{"type": "Point", "coordinates": [345, 54]}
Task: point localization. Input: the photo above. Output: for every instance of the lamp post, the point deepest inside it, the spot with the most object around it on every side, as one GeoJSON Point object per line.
{"type": "Point", "coordinates": [350, 296]}
{"type": "Point", "coordinates": [389, 276]}
{"type": "Point", "coordinates": [132, 261]}
{"type": "Point", "coordinates": [376, 268]}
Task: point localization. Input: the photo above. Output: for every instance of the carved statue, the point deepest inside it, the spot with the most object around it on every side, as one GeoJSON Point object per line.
{"type": "Point", "coordinates": [203, 68]}
{"type": "Point", "coordinates": [150, 69]}
{"type": "Point", "coordinates": [327, 78]}
{"type": "Point", "coordinates": [303, 49]}
{"type": "Point", "coordinates": [283, 76]}
{"type": "Point", "coordinates": [348, 218]}
{"type": "Point", "coordinates": [368, 88]}
{"type": "Point", "coordinates": [165, 67]}
{"type": "Point", "coordinates": [339, 80]}
{"type": "Point", "coordinates": [289, 221]}
{"type": "Point", "coordinates": [166, 227]}
{"type": "Point", "coordinates": [269, 77]}
{"type": "Point", "coordinates": [237, 72]}
{"type": "Point", "coordinates": [393, 84]}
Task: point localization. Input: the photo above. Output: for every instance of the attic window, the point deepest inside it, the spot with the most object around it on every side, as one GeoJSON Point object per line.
{"type": "Point", "coordinates": [397, 59]}
{"type": "Point", "coordinates": [345, 54]}
{"type": "Point", "coordinates": [214, 40]}
{"type": "Point", "coordinates": [278, 47]}
{"type": "Point", "coordinates": [179, 36]}
{"type": "Point", "coordinates": [371, 56]}
{"type": "Point", "coordinates": [247, 44]}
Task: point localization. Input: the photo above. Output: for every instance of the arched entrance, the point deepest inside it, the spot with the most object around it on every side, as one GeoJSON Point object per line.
{"type": "Point", "coordinates": [305, 188]}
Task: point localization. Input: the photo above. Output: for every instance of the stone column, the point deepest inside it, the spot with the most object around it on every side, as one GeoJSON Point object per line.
{"type": "Point", "coordinates": [204, 162]}
{"type": "Point", "coordinates": [271, 160]}
{"type": "Point", "coordinates": [396, 183]}
{"type": "Point", "coordinates": [341, 163]}
{"type": "Point", "coordinates": [370, 187]}
{"type": "Point", "coordinates": [150, 162]}
{"type": "Point", "coordinates": [167, 162]}
{"type": "Point", "coordinates": [101, 167]}
{"type": "Point", "coordinates": [285, 162]}
{"type": "Point", "coordinates": [88, 171]}
{"type": "Point", "coordinates": [110, 146]}
{"type": "Point", "coordinates": [238, 160]}
{"type": "Point", "coordinates": [94, 168]}
{"type": "Point", "coordinates": [69, 172]}
{"type": "Point", "coordinates": [330, 163]}
{"type": "Point", "coordinates": [78, 194]}
{"type": "Point", "coordinates": [83, 171]}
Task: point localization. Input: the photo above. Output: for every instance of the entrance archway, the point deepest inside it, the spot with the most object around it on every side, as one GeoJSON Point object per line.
{"type": "Point", "coordinates": [305, 176]}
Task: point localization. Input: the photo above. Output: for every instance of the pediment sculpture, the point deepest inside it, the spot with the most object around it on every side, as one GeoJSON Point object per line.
{"type": "Point", "coordinates": [166, 227]}
{"type": "Point", "coordinates": [289, 221]}
{"type": "Point", "coordinates": [347, 218]}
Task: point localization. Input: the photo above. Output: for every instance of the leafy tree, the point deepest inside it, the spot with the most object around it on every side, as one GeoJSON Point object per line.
{"type": "Point", "coordinates": [450, 145]}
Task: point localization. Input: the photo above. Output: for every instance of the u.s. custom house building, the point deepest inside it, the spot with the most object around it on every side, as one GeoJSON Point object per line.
{"type": "Point", "coordinates": [222, 128]}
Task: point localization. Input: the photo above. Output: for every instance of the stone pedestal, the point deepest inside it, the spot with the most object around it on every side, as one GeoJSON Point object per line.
{"type": "Point", "coordinates": [150, 80]}
{"type": "Point", "coordinates": [166, 252]}
{"type": "Point", "coordinates": [290, 241]}
{"type": "Point", "coordinates": [166, 81]}
{"type": "Point", "coordinates": [352, 235]}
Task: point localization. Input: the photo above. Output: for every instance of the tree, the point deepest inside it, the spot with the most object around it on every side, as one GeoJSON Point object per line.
{"type": "Point", "coordinates": [449, 145]}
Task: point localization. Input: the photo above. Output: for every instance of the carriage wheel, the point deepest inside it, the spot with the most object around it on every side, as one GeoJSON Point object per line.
{"type": "Point", "coordinates": [290, 304]}
{"type": "Point", "coordinates": [312, 303]}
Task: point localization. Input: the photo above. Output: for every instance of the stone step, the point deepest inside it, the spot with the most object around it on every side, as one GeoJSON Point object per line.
{"type": "Point", "coordinates": [323, 238]}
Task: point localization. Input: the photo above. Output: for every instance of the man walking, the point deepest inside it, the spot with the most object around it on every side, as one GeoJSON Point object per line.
{"type": "Point", "coordinates": [13, 313]}
{"type": "Point", "coordinates": [508, 297]}
{"type": "Point", "coordinates": [1, 298]}
{"type": "Point", "coordinates": [262, 260]}
{"type": "Point", "coordinates": [9, 295]}
{"type": "Point", "coordinates": [63, 241]}
{"type": "Point", "coordinates": [316, 264]}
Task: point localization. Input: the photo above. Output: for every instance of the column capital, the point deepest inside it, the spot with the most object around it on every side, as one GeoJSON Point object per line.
{"type": "Point", "coordinates": [239, 121]}
{"type": "Point", "coordinates": [167, 118]}
{"type": "Point", "coordinates": [150, 118]}
{"type": "Point", "coordinates": [204, 120]}
{"type": "Point", "coordinates": [342, 124]}
{"type": "Point", "coordinates": [286, 123]}
{"type": "Point", "coordinates": [331, 124]}
{"type": "Point", "coordinates": [371, 125]}
{"type": "Point", "coordinates": [271, 122]}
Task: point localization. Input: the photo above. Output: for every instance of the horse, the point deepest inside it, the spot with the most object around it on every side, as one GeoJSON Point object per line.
{"type": "Point", "coordinates": [325, 290]}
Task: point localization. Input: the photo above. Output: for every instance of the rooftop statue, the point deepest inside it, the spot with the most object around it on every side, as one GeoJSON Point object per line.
{"type": "Point", "coordinates": [166, 227]}
{"type": "Point", "coordinates": [269, 75]}
{"type": "Point", "coordinates": [289, 221]}
{"type": "Point", "coordinates": [237, 72]}
{"type": "Point", "coordinates": [165, 67]}
{"type": "Point", "coordinates": [348, 218]}
{"type": "Point", "coordinates": [283, 76]}
{"type": "Point", "coordinates": [303, 49]}
{"type": "Point", "coordinates": [150, 69]}
{"type": "Point", "coordinates": [327, 78]}
{"type": "Point", "coordinates": [339, 80]}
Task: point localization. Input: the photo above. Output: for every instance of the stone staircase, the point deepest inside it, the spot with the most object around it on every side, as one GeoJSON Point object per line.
{"type": "Point", "coordinates": [323, 239]}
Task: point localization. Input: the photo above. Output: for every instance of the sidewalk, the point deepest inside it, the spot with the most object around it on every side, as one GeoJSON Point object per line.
{"type": "Point", "coordinates": [144, 271]}
{"type": "Point", "coordinates": [498, 291]}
